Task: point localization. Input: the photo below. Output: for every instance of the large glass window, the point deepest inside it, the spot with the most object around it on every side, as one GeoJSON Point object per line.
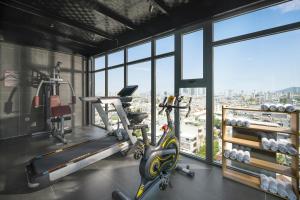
{"type": "Point", "coordinates": [115, 80]}
{"type": "Point", "coordinates": [100, 83]}
{"type": "Point", "coordinates": [274, 16]}
{"type": "Point", "coordinates": [139, 52]}
{"type": "Point", "coordinates": [99, 91]}
{"type": "Point", "coordinates": [115, 84]}
{"type": "Point", "coordinates": [116, 58]}
{"type": "Point", "coordinates": [164, 88]}
{"type": "Point", "coordinates": [193, 128]}
{"type": "Point", "coordinates": [263, 70]}
{"type": "Point", "coordinates": [164, 45]}
{"type": "Point", "coordinates": [192, 55]}
{"type": "Point", "coordinates": [100, 62]}
{"type": "Point", "coordinates": [140, 74]}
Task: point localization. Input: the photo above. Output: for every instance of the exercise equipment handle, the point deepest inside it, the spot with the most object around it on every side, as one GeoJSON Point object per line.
{"type": "Point", "coordinates": [189, 107]}
{"type": "Point", "coordinates": [36, 101]}
{"type": "Point", "coordinates": [162, 105]}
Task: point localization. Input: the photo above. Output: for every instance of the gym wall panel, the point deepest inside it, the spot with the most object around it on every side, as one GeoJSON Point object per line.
{"type": "Point", "coordinates": [17, 117]}
{"type": "Point", "coordinates": [9, 96]}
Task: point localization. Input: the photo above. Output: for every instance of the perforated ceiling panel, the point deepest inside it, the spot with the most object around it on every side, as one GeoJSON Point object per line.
{"type": "Point", "coordinates": [176, 3]}
{"type": "Point", "coordinates": [138, 11]}
{"type": "Point", "coordinates": [82, 12]}
{"type": "Point", "coordinates": [92, 26]}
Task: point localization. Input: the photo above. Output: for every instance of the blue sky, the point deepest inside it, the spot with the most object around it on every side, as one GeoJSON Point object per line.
{"type": "Point", "coordinates": [264, 64]}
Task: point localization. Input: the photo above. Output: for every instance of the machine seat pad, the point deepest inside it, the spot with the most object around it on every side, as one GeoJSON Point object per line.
{"type": "Point", "coordinates": [57, 119]}
{"type": "Point", "coordinates": [59, 111]}
{"type": "Point", "coordinates": [136, 117]}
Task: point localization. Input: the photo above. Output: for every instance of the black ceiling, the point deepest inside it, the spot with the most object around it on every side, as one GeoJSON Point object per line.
{"type": "Point", "coordinates": [89, 27]}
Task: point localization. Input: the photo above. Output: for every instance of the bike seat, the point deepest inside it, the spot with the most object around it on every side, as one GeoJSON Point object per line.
{"type": "Point", "coordinates": [136, 117]}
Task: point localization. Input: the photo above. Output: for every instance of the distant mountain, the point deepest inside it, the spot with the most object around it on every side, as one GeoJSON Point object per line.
{"type": "Point", "coordinates": [291, 90]}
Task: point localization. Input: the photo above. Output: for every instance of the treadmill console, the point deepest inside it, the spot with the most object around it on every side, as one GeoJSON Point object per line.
{"type": "Point", "coordinates": [128, 91]}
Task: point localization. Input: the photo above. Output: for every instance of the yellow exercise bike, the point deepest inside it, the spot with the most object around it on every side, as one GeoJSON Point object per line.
{"type": "Point", "coordinates": [158, 162]}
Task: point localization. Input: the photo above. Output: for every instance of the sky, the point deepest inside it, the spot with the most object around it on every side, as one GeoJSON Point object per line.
{"type": "Point", "coordinates": [264, 64]}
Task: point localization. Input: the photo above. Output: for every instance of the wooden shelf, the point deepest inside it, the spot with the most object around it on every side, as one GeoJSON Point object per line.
{"type": "Point", "coordinates": [242, 178]}
{"type": "Point", "coordinates": [246, 179]}
{"type": "Point", "coordinates": [266, 129]}
{"type": "Point", "coordinates": [254, 143]}
{"type": "Point", "coordinates": [270, 166]}
{"type": "Point", "coordinates": [256, 110]}
{"type": "Point", "coordinates": [249, 143]}
{"type": "Point", "coordinates": [244, 142]}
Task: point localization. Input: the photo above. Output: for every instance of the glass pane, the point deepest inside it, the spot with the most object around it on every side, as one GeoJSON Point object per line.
{"type": "Point", "coordinates": [193, 128]}
{"type": "Point", "coordinates": [116, 58]}
{"type": "Point", "coordinates": [271, 17]}
{"type": "Point", "coordinates": [263, 70]}
{"type": "Point", "coordinates": [115, 84]}
{"type": "Point", "coordinates": [100, 83]}
{"type": "Point", "coordinates": [115, 80]}
{"type": "Point", "coordinates": [192, 55]}
{"type": "Point", "coordinates": [164, 88]}
{"type": "Point", "coordinates": [139, 52]}
{"type": "Point", "coordinates": [99, 91]}
{"type": "Point", "coordinates": [99, 62]}
{"type": "Point", "coordinates": [164, 45]}
{"type": "Point", "coordinates": [140, 74]}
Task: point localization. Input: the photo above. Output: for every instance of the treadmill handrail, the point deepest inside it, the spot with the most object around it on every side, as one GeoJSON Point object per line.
{"type": "Point", "coordinates": [98, 99]}
{"type": "Point", "coordinates": [102, 99]}
{"type": "Point", "coordinates": [117, 103]}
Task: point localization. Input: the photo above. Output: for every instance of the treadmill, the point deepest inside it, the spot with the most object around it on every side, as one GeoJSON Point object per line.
{"type": "Point", "coordinates": [51, 166]}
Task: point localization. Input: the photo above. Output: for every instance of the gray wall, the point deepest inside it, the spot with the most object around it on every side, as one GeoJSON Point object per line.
{"type": "Point", "coordinates": [17, 117]}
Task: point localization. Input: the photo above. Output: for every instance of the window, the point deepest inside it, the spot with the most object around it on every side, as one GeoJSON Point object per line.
{"type": "Point", "coordinates": [99, 91]}
{"type": "Point", "coordinates": [116, 58]}
{"type": "Point", "coordinates": [115, 80]}
{"type": "Point", "coordinates": [100, 83]}
{"type": "Point", "coordinates": [193, 128]}
{"type": "Point", "coordinates": [164, 88]}
{"type": "Point", "coordinates": [100, 63]}
{"type": "Point", "coordinates": [252, 72]}
{"type": "Point", "coordinates": [139, 52]}
{"type": "Point", "coordinates": [164, 45]}
{"type": "Point", "coordinates": [115, 84]}
{"type": "Point", "coordinates": [271, 17]}
{"type": "Point", "coordinates": [192, 55]}
{"type": "Point", "coordinates": [140, 74]}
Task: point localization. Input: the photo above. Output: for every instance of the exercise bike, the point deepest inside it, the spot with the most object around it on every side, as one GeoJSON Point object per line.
{"type": "Point", "coordinates": [158, 162]}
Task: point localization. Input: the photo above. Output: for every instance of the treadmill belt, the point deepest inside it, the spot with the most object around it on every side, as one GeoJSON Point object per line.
{"type": "Point", "coordinates": [52, 161]}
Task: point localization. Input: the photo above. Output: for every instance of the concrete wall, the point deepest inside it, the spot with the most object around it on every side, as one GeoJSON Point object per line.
{"type": "Point", "coordinates": [17, 117]}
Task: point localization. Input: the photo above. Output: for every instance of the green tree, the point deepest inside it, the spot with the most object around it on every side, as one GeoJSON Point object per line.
{"type": "Point", "coordinates": [216, 149]}
{"type": "Point", "coordinates": [280, 159]}
{"type": "Point", "coordinates": [217, 122]}
{"type": "Point", "coordinates": [138, 133]}
{"type": "Point", "coordinates": [114, 118]}
{"type": "Point", "coordinates": [283, 100]}
{"type": "Point", "coordinates": [202, 151]}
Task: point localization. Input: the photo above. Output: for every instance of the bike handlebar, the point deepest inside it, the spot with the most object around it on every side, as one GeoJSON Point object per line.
{"type": "Point", "coordinates": [177, 101]}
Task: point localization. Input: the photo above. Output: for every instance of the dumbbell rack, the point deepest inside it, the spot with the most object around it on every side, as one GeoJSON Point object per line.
{"type": "Point", "coordinates": [252, 180]}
